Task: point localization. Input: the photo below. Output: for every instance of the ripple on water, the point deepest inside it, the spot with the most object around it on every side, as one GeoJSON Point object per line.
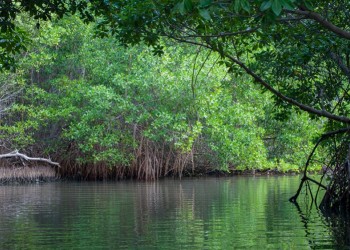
{"type": "Point", "coordinates": [212, 213]}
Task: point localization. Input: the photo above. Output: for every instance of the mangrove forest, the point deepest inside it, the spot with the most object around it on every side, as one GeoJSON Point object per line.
{"type": "Point", "coordinates": [109, 89]}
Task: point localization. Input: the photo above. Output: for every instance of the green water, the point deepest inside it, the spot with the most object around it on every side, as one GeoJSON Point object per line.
{"type": "Point", "coordinates": [210, 213]}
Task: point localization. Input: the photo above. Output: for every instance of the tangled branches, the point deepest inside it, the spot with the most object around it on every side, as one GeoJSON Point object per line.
{"type": "Point", "coordinates": [337, 191]}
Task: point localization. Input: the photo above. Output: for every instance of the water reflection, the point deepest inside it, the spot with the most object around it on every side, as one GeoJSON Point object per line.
{"type": "Point", "coordinates": [316, 220]}
{"type": "Point", "coordinates": [213, 213]}
{"type": "Point", "coordinates": [339, 225]}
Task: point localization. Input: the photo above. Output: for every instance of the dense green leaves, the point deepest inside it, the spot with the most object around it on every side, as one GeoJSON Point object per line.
{"type": "Point", "coordinates": [91, 102]}
{"type": "Point", "coordinates": [107, 102]}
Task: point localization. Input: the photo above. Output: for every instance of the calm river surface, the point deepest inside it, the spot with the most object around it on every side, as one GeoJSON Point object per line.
{"type": "Point", "coordinates": [208, 213]}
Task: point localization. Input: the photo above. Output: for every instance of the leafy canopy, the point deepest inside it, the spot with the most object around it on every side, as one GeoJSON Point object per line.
{"type": "Point", "coordinates": [296, 49]}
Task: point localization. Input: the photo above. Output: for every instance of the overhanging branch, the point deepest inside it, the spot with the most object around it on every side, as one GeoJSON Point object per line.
{"type": "Point", "coordinates": [27, 158]}
{"type": "Point", "coordinates": [304, 107]}
{"type": "Point", "coordinates": [323, 21]}
{"type": "Point", "coordinates": [338, 60]}
{"type": "Point", "coordinates": [259, 80]}
{"type": "Point", "coordinates": [223, 34]}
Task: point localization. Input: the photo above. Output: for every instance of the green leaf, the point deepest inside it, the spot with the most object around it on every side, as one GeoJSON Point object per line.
{"type": "Point", "coordinates": [237, 6]}
{"type": "Point", "coordinates": [265, 5]}
{"type": "Point", "coordinates": [205, 3]}
{"type": "Point", "coordinates": [180, 7]}
{"type": "Point", "coordinates": [276, 7]}
{"type": "Point", "coordinates": [245, 5]}
{"type": "Point", "coordinates": [205, 14]}
{"type": "Point", "coordinates": [308, 5]}
{"type": "Point", "coordinates": [221, 49]}
{"type": "Point", "coordinates": [188, 5]}
{"type": "Point", "coordinates": [288, 4]}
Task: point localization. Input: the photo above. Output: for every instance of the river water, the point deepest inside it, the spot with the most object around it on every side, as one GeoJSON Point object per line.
{"type": "Point", "coordinates": [208, 213]}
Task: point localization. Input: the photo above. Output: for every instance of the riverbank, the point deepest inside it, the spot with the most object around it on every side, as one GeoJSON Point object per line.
{"type": "Point", "coordinates": [19, 175]}
{"type": "Point", "coordinates": [36, 174]}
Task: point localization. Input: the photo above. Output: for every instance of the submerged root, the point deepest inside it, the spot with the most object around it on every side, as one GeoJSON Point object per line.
{"type": "Point", "coordinates": [337, 196]}
{"type": "Point", "coordinates": [337, 191]}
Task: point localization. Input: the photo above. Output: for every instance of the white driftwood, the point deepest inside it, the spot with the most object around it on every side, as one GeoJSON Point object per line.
{"type": "Point", "coordinates": [17, 154]}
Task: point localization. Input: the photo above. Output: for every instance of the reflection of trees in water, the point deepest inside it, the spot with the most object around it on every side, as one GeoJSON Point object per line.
{"type": "Point", "coordinates": [22, 208]}
{"type": "Point", "coordinates": [181, 210]}
{"type": "Point", "coordinates": [340, 228]}
{"type": "Point", "coordinates": [317, 223]}
{"type": "Point", "coordinates": [19, 200]}
{"type": "Point", "coordinates": [233, 211]}
{"type": "Point", "coordinates": [154, 201]}
{"type": "Point", "coordinates": [158, 200]}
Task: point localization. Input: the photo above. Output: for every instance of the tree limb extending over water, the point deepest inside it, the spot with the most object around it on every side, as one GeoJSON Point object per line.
{"type": "Point", "coordinates": [27, 158]}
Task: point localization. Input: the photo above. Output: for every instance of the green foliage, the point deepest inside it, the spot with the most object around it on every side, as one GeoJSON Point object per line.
{"type": "Point", "coordinates": [91, 100]}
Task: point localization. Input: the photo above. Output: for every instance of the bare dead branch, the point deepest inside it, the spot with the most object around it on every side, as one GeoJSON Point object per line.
{"type": "Point", "coordinates": [27, 158]}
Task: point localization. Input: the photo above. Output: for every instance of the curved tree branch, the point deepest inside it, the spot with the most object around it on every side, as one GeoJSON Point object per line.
{"type": "Point", "coordinates": [305, 177]}
{"type": "Point", "coordinates": [337, 59]}
{"type": "Point", "coordinates": [223, 34]}
{"type": "Point", "coordinates": [322, 21]}
{"type": "Point", "coordinates": [267, 86]}
{"type": "Point", "coordinates": [17, 154]}
{"type": "Point", "coordinates": [304, 107]}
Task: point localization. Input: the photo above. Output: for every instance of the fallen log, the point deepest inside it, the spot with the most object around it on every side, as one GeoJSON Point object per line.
{"type": "Point", "coordinates": [27, 158]}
